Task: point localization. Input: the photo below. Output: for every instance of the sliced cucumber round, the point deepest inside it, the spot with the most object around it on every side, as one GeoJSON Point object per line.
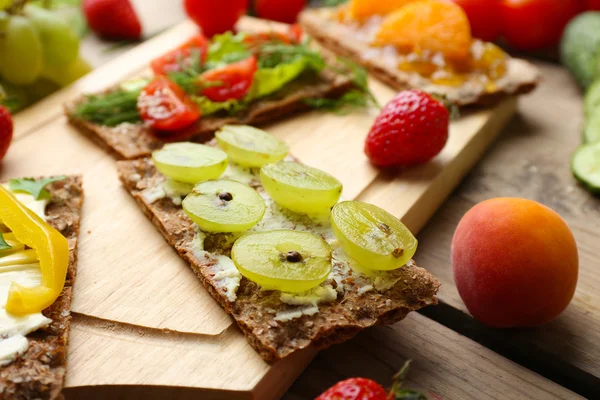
{"type": "Point", "coordinates": [591, 101]}
{"type": "Point", "coordinates": [591, 132]}
{"type": "Point", "coordinates": [586, 166]}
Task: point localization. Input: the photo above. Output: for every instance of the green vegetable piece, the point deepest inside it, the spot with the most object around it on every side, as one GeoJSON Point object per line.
{"type": "Point", "coordinates": [226, 49]}
{"type": "Point", "coordinates": [591, 132]}
{"type": "Point", "coordinates": [270, 80]}
{"type": "Point", "coordinates": [36, 188]}
{"type": "Point", "coordinates": [585, 166]}
{"type": "Point", "coordinates": [591, 101]}
{"type": "Point", "coordinates": [109, 109]}
{"type": "Point", "coordinates": [580, 47]}
{"type": "Point", "coordinates": [3, 244]}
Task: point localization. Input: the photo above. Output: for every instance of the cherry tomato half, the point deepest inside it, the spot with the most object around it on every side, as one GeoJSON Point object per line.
{"type": "Point", "coordinates": [279, 10]}
{"type": "Point", "coordinates": [6, 130]}
{"type": "Point", "coordinates": [181, 57]}
{"type": "Point", "coordinates": [165, 106]}
{"type": "Point", "coordinates": [483, 17]}
{"type": "Point", "coordinates": [231, 81]}
{"type": "Point", "coordinates": [215, 16]}
{"type": "Point", "coordinates": [536, 24]}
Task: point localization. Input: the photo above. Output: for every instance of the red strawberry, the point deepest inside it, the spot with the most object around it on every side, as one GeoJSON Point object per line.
{"type": "Point", "coordinates": [113, 19]}
{"type": "Point", "coordinates": [354, 389]}
{"type": "Point", "coordinates": [6, 131]}
{"type": "Point", "coordinates": [411, 129]}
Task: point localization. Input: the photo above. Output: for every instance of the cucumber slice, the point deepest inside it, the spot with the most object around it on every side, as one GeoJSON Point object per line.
{"type": "Point", "coordinates": [591, 101]}
{"type": "Point", "coordinates": [591, 132]}
{"type": "Point", "coordinates": [586, 166]}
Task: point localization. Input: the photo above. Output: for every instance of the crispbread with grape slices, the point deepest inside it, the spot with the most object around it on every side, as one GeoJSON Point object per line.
{"type": "Point", "coordinates": [521, 77]}
{"type": "Point", "coordinates": [356, 306]}
{"type": "Point", "coordinates": [40, 372]}
{"type": "Point", "coordinates": [130, 141]}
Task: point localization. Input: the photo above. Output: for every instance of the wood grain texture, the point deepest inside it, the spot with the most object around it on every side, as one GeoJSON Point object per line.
{"type": "Point", "coordinates": [144, 319]}
{"type": "Point", "coordinates": [531, 160]}
{"type": "Point", "coordinates": [445, 366]}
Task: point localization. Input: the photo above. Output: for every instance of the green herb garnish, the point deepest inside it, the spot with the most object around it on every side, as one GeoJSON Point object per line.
{"type": "Point", "coordinates": [110, 109]}
{"type": "Point", "coordinates": [3, 244]}
{"type": "Point", "coordinates": [36, 188]}
{"type": "Point", "coordinates": [404, 394]}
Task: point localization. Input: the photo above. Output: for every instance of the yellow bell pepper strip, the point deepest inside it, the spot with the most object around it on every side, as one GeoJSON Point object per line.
{"type": "Point", "coordinates": [52, 250]}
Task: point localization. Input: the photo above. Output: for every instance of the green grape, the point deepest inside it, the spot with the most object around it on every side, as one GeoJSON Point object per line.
{"type": "Point", "coordinates": [251, 147]}
{"type": "Point", "coordinates": [190, 162]}
{"type": "Point", "coordinates": [21, 49]}
{"type": "Point", "coordinates": [300, 188]}
{"type": "Point", "coordinates": [224, 206]}
{"type": "Point", "coordinates": [372, 236]}
{"type": "Point", "coordinates": [66, 75]}
{"type": "Point", "coordinates": [289, 261]}
{"type": "Point", "coordinates": [60, 43]}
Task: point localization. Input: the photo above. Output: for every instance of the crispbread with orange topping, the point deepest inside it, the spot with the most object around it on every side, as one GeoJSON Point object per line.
{"type": "Point", "coordinates": [353, 39]}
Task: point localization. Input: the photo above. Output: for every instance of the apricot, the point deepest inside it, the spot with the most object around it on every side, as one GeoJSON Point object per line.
{"type": "Point", "coordinates": [515, 263]}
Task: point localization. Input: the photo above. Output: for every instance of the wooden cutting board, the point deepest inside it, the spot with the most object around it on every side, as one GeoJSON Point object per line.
{"type": "Point", "coordinates": [143, 324]}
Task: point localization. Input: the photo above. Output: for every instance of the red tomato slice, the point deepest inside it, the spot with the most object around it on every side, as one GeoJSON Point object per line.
{"type": "Point", "coordinates": [231, 81]}
{"type": "Point", "coordinates": [296, 33]}
{"type": "Point", "coordinates": [165, 106]}
{"type": "Point", "coordinates": [177, 59]}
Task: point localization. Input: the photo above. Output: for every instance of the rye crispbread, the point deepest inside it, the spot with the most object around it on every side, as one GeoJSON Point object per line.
{"type": "Point", "coordinates": [521, 76]}
{"type": "Point", "coordinates": [40, 372]}
{"type": "Point", "coordinates": [130, 141]}
{"type": "Point", "coordinates": [356, 307]}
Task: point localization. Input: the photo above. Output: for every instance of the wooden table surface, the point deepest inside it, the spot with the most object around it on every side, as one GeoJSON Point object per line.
{"type": "Point", "coordinates": [454, 357]}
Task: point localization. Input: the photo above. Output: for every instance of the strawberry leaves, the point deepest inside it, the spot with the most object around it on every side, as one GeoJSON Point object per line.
{"type": "Point", "coordinates": [36, 188]}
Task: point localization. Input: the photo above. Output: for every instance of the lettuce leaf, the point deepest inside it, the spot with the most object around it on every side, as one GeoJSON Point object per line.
{"type": "Point", "coordinates": [209, 107]}
{"type": "Point", "coordinates": [226, 49]}
{"type": "Point", "coordinates": [270, 80]}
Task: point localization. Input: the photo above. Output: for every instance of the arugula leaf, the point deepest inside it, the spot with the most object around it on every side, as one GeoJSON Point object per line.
{"type": "Point", "coordinates": [3, 244]}
{"type": "Point", "coordinates": [33, 187]}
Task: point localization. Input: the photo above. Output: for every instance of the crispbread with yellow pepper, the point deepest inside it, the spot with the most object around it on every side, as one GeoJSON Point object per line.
{"type": "Point", "coordinates": [278, 324]}
{"type": "Point", "coordinates": [353, 39]}
{"type": "Point", "coordinates": [39, 373]}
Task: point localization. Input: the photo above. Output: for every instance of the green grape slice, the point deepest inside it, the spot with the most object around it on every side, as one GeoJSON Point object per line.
{"type": "Point", "coordinates": [300, 188]}
{"type": "Point", "coordinates": [224, 206]}
{"type": "Point", "coordinates": [251, 147]}
{"type": "Point", "coordinates": [190, 162]}
{"type": "Point", "coordinates": [372, 236]}
{"type": "Point", "coordinates": [289, 261]}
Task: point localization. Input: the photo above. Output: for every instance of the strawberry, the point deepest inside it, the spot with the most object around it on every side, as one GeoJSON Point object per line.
{"type": "Point", "coordinates": [354, 389]}
{"type": "Point", "coordinates": [411, 129]}
{"type": "Point", "coordinates": [113, 19]}
{"type": "Point", "coordinates": [6, 130]}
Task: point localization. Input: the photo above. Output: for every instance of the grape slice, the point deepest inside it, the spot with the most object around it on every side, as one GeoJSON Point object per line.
{"type": "Point", "coordinates": [289, 261]}
{"type": "Point", "coordinates": [190, 162]}
{"type": "Point", "coordinates": [300, 188]}
{"type": "Point", "coordinates": [372, 236]}
{"type": "Point", "coordinates": [249, 146]}
{"type": "Point", "coordinates": [224, 206]}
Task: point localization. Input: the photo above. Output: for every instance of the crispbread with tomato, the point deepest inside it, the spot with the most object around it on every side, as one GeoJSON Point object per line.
{"type": "Point", "coordinates": [245, 78]}
{"type": "Point", "coordinates": [43, 229]}
{"type": "Point", "coordinates": [423, 45]}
